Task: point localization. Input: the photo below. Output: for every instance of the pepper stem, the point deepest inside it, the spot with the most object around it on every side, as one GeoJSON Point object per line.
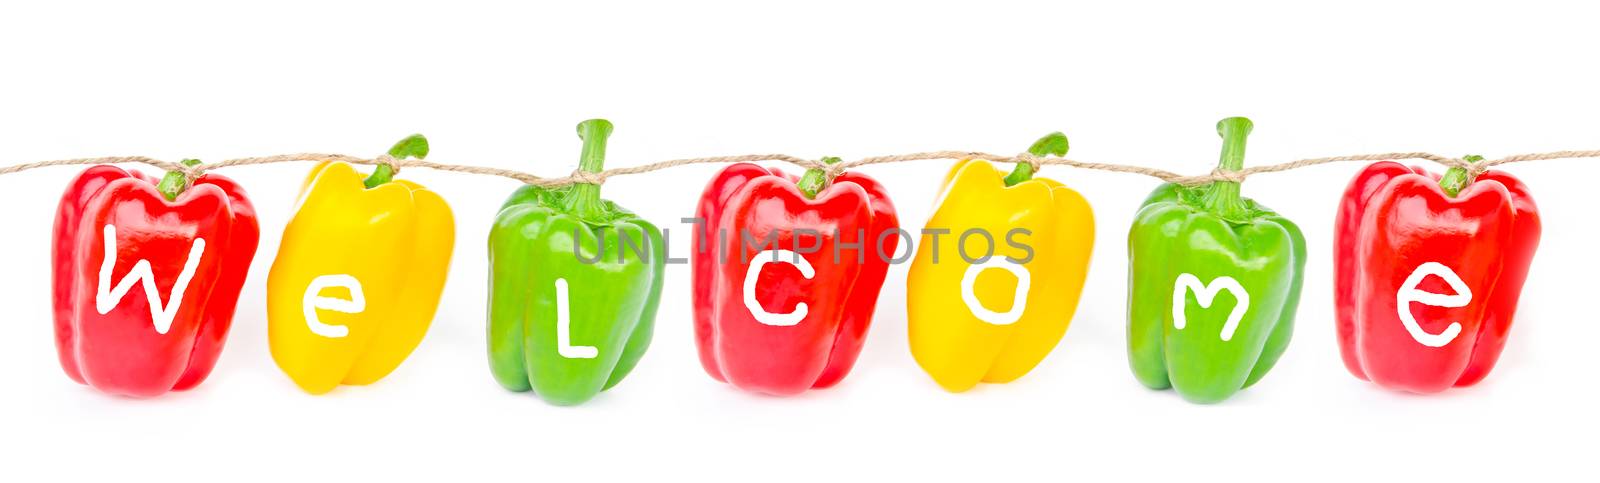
{"type": "Point", "coordinates": [584, 201]}
{"type": "Point", "coordinates": [413, 146]}
{"type": "Point", "coordinates": [1222, 197]}
{"type": "Point", "coordinates": [380, 175]}
{"type": "Point", "coordinates": [815, 179]}
{"type": "Point", "coordinates": [1457, 178]}
{"type": "Point", "coordinates": [1051, 144]}
{"type": "Point", "coordinates": [175, 182]}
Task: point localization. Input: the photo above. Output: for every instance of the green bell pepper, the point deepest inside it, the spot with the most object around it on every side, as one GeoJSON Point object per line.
{"type": "Point", "coordinates": [574, 286]}
{"type": "Point", "coordinates": [1214, 279]}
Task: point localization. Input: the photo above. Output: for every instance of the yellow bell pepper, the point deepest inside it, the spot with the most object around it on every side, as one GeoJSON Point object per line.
{"type": "Point", "coordinates": [358, 274]}
{"type": "Point", "coordinates": [992, 320]}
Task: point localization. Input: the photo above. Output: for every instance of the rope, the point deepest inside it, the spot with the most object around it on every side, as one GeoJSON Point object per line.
{"type": "Point", "coordinates": [832, 170]}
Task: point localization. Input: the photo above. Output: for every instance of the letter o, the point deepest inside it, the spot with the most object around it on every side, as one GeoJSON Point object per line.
{"type": "Point", "coordinates": [1018, 304]}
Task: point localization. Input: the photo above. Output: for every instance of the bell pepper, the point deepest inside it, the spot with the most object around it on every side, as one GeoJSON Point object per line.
{"type": "Point", "coordinates": [146, 276]}
{"type": "Point", "coordinates": [574, 285]}
{"type": "Point", "coordinates": [992, 318]}
{"type": "Point", "coordinates": [1190, 245]}
{"type": "Point", "coordinates": [358, 274]}
{"type": "Point", "coordinates": [1428, 273]}
{"type": "Point", "coordinates": [787, 273]}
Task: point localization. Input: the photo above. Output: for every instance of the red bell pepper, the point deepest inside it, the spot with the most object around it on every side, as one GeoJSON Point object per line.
{"type": "Point", "coordinates": [786, 275]}
{"type": "Point", "coordinates": [118, 238]}
{"type": "Point", "coordinates": [1428, 273]}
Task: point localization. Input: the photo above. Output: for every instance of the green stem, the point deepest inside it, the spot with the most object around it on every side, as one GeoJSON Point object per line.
{"type": "Point", "coordinates": [175, 182]}
{"type": "Point", "coordinates": [413, 146]}
{"type": "Point", "coordinates": [584, 201]}
{"type": "Point", "coordinates": [815, 179]}
{"type": "Point", "coordinates": [1019, 173]}
{"type": "Point", "coordinates": [1222, 197]}
{"type": "Point", "coordinates": [380, 175]}
{"type": "Point", "coordinates": [1457, 178]}
{"type": "Point", "coordinates": [1051, 144]}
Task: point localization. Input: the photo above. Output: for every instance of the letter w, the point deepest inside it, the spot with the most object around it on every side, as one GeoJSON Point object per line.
{"type": "Point", "coordinates": [160, 315]}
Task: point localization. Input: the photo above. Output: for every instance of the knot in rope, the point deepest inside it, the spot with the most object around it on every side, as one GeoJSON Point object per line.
{"type": "Point", "coordinates": [390, 161]}
{"type": "Point", "coordinates": [581, 176]}
{"type": "Point", "coordinates": [834, 170]}
{"type": "Point", "coordinates": [1225, 175]}
{"type": "Point", "coordinates": [1030, 159]}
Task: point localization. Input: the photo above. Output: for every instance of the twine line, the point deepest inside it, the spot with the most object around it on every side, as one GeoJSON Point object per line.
{"type": "Point", "coordinates": [832, 170]}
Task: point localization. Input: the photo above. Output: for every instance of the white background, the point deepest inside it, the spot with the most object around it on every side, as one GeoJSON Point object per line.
{"type": "Point", "coordinates": [503, 86]}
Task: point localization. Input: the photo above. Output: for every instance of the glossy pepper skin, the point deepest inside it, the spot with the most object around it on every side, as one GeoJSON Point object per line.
{"type": "Point", "coordinates": [358, 274]}
{"type": "Point", "coordinates": [1428, 271]}
{"type": "Point", "coordinates": [1019, 316]}
{"type": "Point", "coordinates": [1214, 281]}
{"type": "Point", "coordinates": [574, 286]}
{"type": "Point", "coordinates": [120, 234]}
{"type": "Point", "coordinates": [766, 321]}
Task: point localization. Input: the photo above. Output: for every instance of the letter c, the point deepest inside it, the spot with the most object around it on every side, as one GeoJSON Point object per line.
{"type": "Point", "coordinates": [754, 272]}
